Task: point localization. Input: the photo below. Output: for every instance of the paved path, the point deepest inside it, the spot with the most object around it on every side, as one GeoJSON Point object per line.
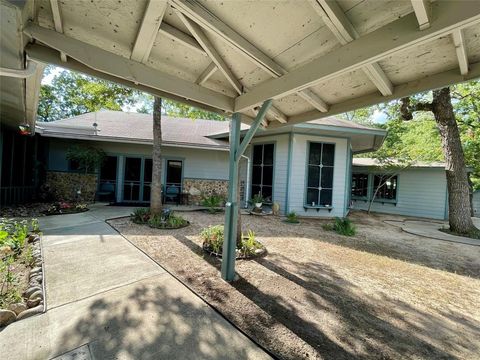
{"type": "Point", "coordinates": [431, 229]}
{"type": "Point", "coordinates": [107, 300]}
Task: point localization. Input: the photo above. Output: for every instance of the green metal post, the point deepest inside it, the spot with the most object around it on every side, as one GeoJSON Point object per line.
{"type": "Point", "coordinates": [231, 207]}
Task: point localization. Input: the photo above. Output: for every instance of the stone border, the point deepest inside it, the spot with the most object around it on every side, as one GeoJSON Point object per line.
{"type": "Point", "coordinates": [35, 292]}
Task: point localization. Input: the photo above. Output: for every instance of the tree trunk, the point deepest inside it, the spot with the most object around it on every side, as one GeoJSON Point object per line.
{"type": "Point", "coordinates": [156, 186]}
{"type": "Point", "coordinates": [457, 177]}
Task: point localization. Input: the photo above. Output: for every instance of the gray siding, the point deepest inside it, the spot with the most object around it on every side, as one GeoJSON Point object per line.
{"type": "Point", "coordinates": [198, 163]}
{"type": "Point", "coordinates": [421, 192]}
{"type": "Point", "coordinates": [476, 203]}
{"type": "Point", "coordinates": [298, 173]}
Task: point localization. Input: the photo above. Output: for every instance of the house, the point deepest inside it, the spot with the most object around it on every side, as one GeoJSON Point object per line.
{"type": "Point", "coordinates": [307, 168]}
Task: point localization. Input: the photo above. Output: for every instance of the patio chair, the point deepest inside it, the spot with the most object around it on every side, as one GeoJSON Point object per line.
{"type": "Point", "coordinates": [172, 193]}
{"type": "Point", "coordinates": [107, 190]}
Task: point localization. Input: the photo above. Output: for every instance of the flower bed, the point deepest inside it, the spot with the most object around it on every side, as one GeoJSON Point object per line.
{"type": "Point", "coordinates": [21, 271]}
{"type": "Point", "coordinates": [213, 237]}
{"type": "Point", "coordinates": [63, 208]}
{"type": "Point", "coordinates": [167, 220]}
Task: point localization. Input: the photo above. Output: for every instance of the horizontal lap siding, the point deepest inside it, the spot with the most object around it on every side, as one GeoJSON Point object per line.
{"type": "Point", "coordinates": [298, 176]}
{"type": "Point", "coordinates": [280, 166]}
{"type": "Point", "coordinates": [476, 203]}
{"type": "Point", "coordinates": [421, 193]}
{"type": "Point", "coordinates": [198, 163]}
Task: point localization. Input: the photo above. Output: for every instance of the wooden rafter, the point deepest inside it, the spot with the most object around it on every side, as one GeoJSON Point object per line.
{"type": "Point", "coordinates": [374, 46]}
{"type": "Point", "coordinates": [152, 18]}
{"type": "Point", "coordinates": [205, 43]}
{"type": "Point", "coordinates": [57, 22]}
{"type": "Point", "coordinates": [422, 12]}
{"type": "Point", "coordinates": [338, 23]}
{"type": "Point", "coordinates": [205, 75]}
{"type": "Point", "coordinates": [126, 69]}
{"type": "Point", "coordinates": [177, 35]}
{"type": "Point", "coordinates": [461, 49]}
{"type": "Point", "coordinates": [195, 11]}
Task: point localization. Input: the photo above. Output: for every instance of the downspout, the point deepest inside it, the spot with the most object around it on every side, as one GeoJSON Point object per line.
{"type": "Point", "coordinates": [22, 73]}
{"type": "Point", "coordinates": [247, 182]}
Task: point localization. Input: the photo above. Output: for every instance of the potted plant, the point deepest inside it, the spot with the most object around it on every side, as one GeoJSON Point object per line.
{"type": "Point", "coordinates": [257, 200]}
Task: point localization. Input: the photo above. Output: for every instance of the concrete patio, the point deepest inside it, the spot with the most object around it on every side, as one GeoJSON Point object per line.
{"type": "Point", "coordinates": [107, 300]}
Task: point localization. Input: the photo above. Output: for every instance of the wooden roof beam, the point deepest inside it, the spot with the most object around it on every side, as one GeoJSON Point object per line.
{"type": "Point", "coordinates": [147, 33]}
{"type": "Point", "coordinates": [57, 22]}
{"type": "Point", "coordinates": [195, 11]}
{"type": "Point", "coordinates": [206, 44]}
{"type": "Point", "coordinates": [177, 35]}
{"type": "Point", "coordinates": [338, 23]}
{"type": "Point", "coordinates": [461, 49]}
{"type": "Point", "coordinates": [374, 46]}
{"type": "Point", "coordinates": [126, 69]}
{"type": "Point", "coordinates": [422, 12]}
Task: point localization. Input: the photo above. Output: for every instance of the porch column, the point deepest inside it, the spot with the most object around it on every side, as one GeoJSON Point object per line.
{"type": "Point", "coordinates": [231, 207]}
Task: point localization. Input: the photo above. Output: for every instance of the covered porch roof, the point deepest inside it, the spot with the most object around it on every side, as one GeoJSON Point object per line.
{"type": "Point", "coordinates": [314, 58]}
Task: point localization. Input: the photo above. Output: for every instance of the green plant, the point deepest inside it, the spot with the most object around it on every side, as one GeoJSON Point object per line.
{"type": "Point", "coordinates": [249, 244]}
{"type": "Point", "coordinates": [27, 256]}
{"type": "Point", "coordinates": [35, 225]}
{"type": "Point", "coordinates": [140, 216]}
{"type": "Point", "coordinates": [172, 221]}
{"type": "Point", "coordinates": [213, 237]}
{"type": "Point", "coordinates": [87, 158]}
{"type": "Point", "coordinates": [292, 217]}
{"type": "Point", "coordinates": [212, 202]}
{"type": "Point", "coordinates": [342, 226]}
{"type": "Point", "coordinates": [13, 234]}
{"type": "Point", "coordinates": [257, 198]}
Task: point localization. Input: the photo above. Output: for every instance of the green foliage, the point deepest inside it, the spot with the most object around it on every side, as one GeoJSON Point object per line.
{"type": "Point", "coordinates": [88, 158]}
{"type": "Point", "coordinates": [249, 244]}
{"type": "Point", "coordinates": [140, 216]}
{"type": "Point", "coordinates": [212, 202]}
{"type": "Point", "coordinates": [35, 226]}
{"type": "Point", "coordinates": [70, 94]}
{"type": "Point", "coordinates": [213, 237]}
{"type": "Point", "coordinates": [292, 217]}
{"type": "Point", "coordinates": [257, 198]}
{"type": "Point", "coordinates": [13, 235]}
{"type": "Point", "coordinates": [342, 226]}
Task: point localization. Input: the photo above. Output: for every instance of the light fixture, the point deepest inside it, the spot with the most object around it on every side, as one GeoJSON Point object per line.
{"type": "Point", "coordinates": [24, 129]}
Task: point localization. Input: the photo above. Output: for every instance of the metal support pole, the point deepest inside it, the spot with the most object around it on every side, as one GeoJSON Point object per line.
{"type": "Point", "coordinates": [231, 207]}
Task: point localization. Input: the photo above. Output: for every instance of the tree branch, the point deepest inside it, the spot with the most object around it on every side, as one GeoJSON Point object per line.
{"type": "Point", "coordinates": [407, 108]}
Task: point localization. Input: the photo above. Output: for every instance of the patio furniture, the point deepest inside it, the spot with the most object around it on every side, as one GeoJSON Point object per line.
{"type": "Point", "coordinates": [107, 190]}
{"type": "Point", "coordinates": [172, 193]}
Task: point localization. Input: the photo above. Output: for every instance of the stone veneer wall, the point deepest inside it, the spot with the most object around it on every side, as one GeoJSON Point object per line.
{"type": "Point", "coordinates": [198, 187]}
{"type": "Point", "coordinates": [64, 186]}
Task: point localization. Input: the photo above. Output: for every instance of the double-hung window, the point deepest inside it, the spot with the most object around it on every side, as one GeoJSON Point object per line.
{"type": "Point", "coordinates": [387, 187]}
{"type": "Point", "coordinates": [262, 170]}
{"type": "Point", "coordinates": [320, 175]}
{"type": "Point", "coordinates": [359, 186]}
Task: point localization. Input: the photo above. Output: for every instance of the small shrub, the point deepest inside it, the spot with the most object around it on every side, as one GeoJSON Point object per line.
{"type": "Point", "coordinates": [292, 217]}
{"type": "Point", "coordinates": [35, 226]}
{"type": "Point", "coordinates": [249, 244]}
{"type": "Point", "coordinates": [342, 226]}
{"type": "Point", "coordinates": [212, 237]}
{"type": "Point", "coordinates": [171, 221]}
{"type": "Point", "coordinates": [257, 199]}
{"type": "Point", "coordinates": [140, 216]}
{"type": "Point", "coordinates": [212, 202]}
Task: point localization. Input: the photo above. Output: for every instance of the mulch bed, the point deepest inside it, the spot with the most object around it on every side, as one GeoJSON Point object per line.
{"type": "Point", "coordinates": [382, 294]}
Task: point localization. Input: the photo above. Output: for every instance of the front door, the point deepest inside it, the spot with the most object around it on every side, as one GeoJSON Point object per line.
{"type": "Point", "coordinates": [132, 179]}
{"type": "Point", "coordinates": [173, 174]}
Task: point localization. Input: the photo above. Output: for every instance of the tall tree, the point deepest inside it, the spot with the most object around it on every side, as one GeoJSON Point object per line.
{"type": "Point", "coordinates": [69, 94]}
{"type": "Point", "coordinates": [156, 186]}
{"type": "Point", "coordinates": [457, 177]}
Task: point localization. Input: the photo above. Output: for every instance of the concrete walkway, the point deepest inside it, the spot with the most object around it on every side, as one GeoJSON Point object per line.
{"type": "Point", "coordinates": [107, 300]}
{"type": "Point", "coordinates": [431, 229]}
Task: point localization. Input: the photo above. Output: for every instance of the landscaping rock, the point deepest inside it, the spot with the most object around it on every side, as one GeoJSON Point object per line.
{"type": "Point", "coordinates": [30, 312]}
{"type": "Point", "coordinates": [31, 237]}
{"type": "Point", "coordinates": [32, 290]}
{"type": "Point", "coordinates": [7, 317]}
{"type": "Point", "coordinates": [36, 294]}
{"type": "Point", "coordinates": [31, 303]}
{"type": "Point", "coordinates": [17, 308]}
{"type": "Point", "coordinates": [36, 270]}
{"type": "Point", "coordinates": [36, 278]}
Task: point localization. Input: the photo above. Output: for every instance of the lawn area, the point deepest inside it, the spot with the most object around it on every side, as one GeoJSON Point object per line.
{"type": "Point", "coordinates": [380, 294]}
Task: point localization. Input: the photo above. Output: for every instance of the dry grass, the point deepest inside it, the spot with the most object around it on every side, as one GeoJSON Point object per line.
{"type": "Point", "coordinates": [381, 294]}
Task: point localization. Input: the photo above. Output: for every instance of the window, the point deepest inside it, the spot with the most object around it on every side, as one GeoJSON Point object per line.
{"type": "Point", "coordinates": [360, 186]}
{"type": "Point", "coordinates": [388, 187]}
{"type": "Point", "coordinates": [262, 170]}
{"type": "Point", "coordinates": [320, 174]}
{"type": "Point", "coordinates": [74, 165]}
